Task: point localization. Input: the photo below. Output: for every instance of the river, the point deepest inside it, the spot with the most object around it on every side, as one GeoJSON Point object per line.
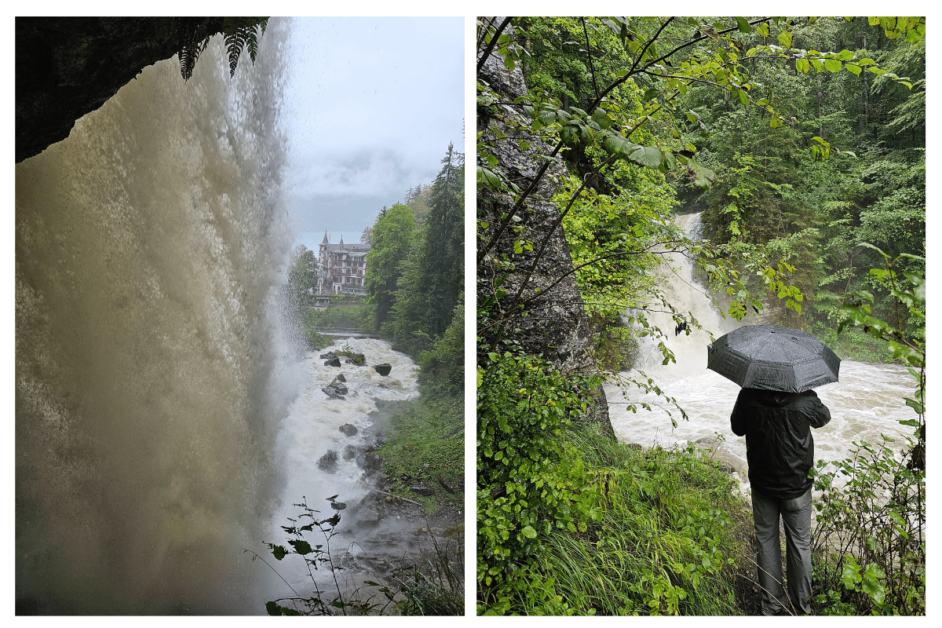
{"type": "Point", "coordinates": [866, 403]}
{"type": "Point", "coordinates": [311, 429]}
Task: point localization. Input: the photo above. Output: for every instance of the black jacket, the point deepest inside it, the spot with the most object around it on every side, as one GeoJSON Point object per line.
{"type": "Point", "coordinates": [779, 446]}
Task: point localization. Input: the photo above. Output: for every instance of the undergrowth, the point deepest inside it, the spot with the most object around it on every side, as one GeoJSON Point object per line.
{"type": "Point", "coordinates": [426, 446]}
{"type": "Point", "coordinates": [571, 522]}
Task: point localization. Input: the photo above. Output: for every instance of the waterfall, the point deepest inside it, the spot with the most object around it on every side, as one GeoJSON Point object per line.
{"type": "Point", "coordinates": [683, 290]}
{"type": "Point", "coordinates": [867, 402]}
{"type": "Point", "coordinates": [151, 362]}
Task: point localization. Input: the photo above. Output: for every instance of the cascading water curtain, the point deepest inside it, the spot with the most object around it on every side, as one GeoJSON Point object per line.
{"type": "Point", "coordinates": [148, 247]}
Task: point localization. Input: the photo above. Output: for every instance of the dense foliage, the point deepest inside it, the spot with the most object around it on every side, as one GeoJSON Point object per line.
{"type": "Point", "coordinates": [392, 238]}
{"type": "Point", "coordinates": [574, 523]}
{"type": "Point", "coordinates": [802, 141]}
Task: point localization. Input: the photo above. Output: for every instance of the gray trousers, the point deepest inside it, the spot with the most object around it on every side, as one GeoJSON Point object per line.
{"type": "Point", "coordinates": [796, 515]}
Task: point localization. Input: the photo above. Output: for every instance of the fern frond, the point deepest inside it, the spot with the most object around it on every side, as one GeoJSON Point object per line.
{"type": "Point", "coordinates": [189, 55]}
{"type": "Point", "coordinates": [240, 33]}
{"type": "Point", "coordinates": [234, 44]}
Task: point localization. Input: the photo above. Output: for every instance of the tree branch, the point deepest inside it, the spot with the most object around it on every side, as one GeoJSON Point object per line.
{"type": "Point", "coordinates": [632, 70]}
{"type": "Point", "coordinates": [503, 225]}
{"type": "Point", "coordinates": [588, 52]}
{"type": "Point", "coordinates": [490, 46]}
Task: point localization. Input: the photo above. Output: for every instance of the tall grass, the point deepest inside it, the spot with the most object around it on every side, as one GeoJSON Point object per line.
{"type": "Point", "coordinates": [671, 539]}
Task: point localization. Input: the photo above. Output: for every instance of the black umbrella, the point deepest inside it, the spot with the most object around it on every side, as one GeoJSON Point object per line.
{"type": "Point", "coordinates": [769, 357]}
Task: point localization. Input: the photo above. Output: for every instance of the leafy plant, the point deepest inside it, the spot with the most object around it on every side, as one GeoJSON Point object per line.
{"type": "Point", "coordinates": [433, 587]}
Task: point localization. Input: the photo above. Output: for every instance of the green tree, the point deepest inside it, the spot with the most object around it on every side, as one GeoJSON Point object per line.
{"type": "Point", "coordinates": [443, 259]}
{"type": "Point", "coordinates": [393, 235]}
{"type": "Point", "coordinates": [301, 276]}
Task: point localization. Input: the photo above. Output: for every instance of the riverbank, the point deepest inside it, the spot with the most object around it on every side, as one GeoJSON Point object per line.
{"type": "Point", "coordinates": [669, 534]}
{"type": "Point", "coordinates": [345, 436]}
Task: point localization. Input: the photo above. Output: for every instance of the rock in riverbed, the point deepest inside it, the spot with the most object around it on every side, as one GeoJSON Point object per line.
{"type": "Point", "coordinates": [328, 462]}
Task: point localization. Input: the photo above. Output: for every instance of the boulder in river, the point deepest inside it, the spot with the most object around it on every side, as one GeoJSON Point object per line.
{"type": "Point", "coordinates": [332, 393]}
{"type": "Point", "coordinates": [348, 430]}
{"type": "Point", "coordinates": [383, 369]}
{"type": "Point", "coordinates": [340, 378]}
{"type": "Point", "coordinates": [350, 452]}
{"type": "Point", "coordinates": [328, 462]}
{"type": "Point", "coordinates": [332, 361]}
{"type": "Point", "coordinates": [370, 462]}
{"type": "Point", "coordinates": [327, 356]}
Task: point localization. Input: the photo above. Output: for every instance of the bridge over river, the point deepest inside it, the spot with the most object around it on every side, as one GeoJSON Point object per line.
{"type": "Point", "coordinates": [352, 332]}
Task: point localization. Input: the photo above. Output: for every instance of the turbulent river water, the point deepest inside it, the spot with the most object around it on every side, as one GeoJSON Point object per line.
{"type": "Point", "coordinates": [866, 403]}
{"type": "Point", "coordinates": [166, 418]}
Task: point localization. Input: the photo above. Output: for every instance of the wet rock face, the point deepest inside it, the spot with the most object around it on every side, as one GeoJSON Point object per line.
{"type": "Point", "coordinates": [332, 361]}
{"type": "Point", "coordinates": [67, 67]}
{"type": "Point", "coordinates": [555, 324]}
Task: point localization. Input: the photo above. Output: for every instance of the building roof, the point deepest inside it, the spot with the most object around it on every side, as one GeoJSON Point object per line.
{"type": "Point", "coordinates": [359, 247]}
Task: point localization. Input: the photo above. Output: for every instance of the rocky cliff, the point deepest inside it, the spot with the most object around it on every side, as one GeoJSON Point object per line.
{"type": "Point", "coordinates": [67, 67]}
{"type": "Point", "coordinates": [555, 323]}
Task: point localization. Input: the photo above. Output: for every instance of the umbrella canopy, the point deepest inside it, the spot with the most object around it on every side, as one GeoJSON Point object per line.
{"type": "Point", "coordinates": [769, 357]}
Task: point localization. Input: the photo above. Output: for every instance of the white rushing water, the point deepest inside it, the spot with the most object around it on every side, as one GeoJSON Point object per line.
{"type": "Point", "coordinates": [865, 403]}
{"type": "Point", "coordinates": [312, 428]}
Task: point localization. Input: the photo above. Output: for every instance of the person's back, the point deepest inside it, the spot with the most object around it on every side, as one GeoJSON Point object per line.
{"type": "Point", "coordinates": [779, 445]}
{"type": "Point", "coordinates": [780, 451]}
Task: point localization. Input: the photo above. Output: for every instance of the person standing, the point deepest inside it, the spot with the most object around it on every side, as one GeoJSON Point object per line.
{"type": "Point", "coordinates": [780, 451]}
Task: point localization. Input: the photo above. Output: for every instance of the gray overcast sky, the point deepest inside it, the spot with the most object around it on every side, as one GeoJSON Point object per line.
{"type": "Point", "coordinates": [370, 107]}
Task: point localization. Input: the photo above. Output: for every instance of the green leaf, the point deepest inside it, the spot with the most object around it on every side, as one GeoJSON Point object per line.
{"type": "Point", "coordinates": [301, 547]}
{"type": "Point", "coordinates": [278, 551]}
{"type": "Point", "coordinates": [600, 117]}
{"type": "Point", "coordinates": [649, 156]}
{"type": "Point", "coordinates": [275, 610]}
{"type": "Point", "coordinates": [702, 176]}
{"type": "Point", "coordinates": [853, 69]}
{"type": "Point", "coordinates": [763, 29]}
{"type": "Point", "coordinates": [744, 26]}
{"type": "Point", "coordinates": [785, 38]}
{"type": "Point", "coordinates": [529, 532]}
{"type": "Point", "coordinates": [832, 65]}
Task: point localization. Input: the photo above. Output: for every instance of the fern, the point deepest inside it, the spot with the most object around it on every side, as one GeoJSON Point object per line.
{"type": "Point", "coordinates": [189, 55]}
{"type": "Point", "coordinates": [240, 33]}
